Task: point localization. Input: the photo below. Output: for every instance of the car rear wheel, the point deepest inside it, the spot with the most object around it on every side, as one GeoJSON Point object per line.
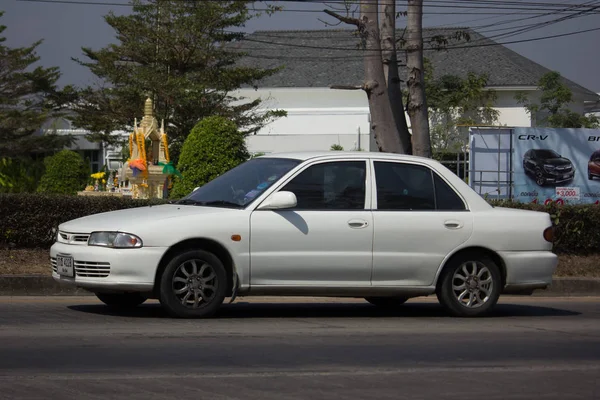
{"type": "Point", "coordinates": [470, 286]}
{"type": "Point", "coordinates": [193, 285]}
{"type": "Point", "coordinates": [590, 176]}
{"type": "Point", "coordinates": [386, 302]}
{"type": "Point", "coordinates": [121, 300]}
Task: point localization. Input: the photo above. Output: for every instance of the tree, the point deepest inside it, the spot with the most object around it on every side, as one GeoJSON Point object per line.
{"type": "Point", "coordinates": [66, 173]}
{"type": "Point", "coordinates": [28, 98]}
{"type": "Point", "coordinates": [19, 175]}
{"type": "Point", "coordinates": [178, 53]}
{"type": "Point", "coordinates": [455, 101]}
{"type": "Point", "coordinates": [417, 103]}
{"type": "Point", "coordinates": [553, 105]}
{"type": "Point", "coordinates": [392, 76]}
{"type": "Point", "coordinates": [213, 147]}
{"type": "Point", "coordinates": [383, 125]}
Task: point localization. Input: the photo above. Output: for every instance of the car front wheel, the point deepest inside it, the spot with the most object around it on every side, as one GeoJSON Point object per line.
{"type": "Point", "coordinates": [193, 285]}
{"type": "Point", "coordinates": [470, 286]}
{"type": "Point", "coordinates": [121, 300]}
{"type": "Point", "coordinates": [539, 178]}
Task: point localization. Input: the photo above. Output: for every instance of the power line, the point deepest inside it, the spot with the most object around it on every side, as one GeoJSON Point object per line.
{"type": "Point", "coordinates": [426, 49]}
{"type": "Point", "coordinates": [119, 4]}
{"type": "Point", "coordinates": [530, 27]}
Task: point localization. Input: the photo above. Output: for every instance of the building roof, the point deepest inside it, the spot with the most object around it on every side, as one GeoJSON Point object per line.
{"type": "Point", "coordinates": [321, 58]}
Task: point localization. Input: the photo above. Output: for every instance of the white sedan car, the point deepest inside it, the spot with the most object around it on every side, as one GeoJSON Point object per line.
{"type": "Point", "coordinates": [378, 226]}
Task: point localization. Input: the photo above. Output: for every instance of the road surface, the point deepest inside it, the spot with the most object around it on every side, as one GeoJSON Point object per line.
{"type": "Point", "coordinates": [75, 348]}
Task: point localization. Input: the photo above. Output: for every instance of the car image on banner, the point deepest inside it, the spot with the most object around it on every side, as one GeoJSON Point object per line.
{"type": "Point", "coordinates": [594, 166]}
{"type": "Point", "coordinates": [548, 167]}
{"type": "Point", "coordinates": [556, 164]}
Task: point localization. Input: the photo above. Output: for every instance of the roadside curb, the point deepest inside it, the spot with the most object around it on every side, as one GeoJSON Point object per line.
{"type": "Point", "coordinates": [43, 285]}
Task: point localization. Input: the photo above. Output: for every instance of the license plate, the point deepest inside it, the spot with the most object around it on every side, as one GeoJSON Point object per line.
{"type": "Point", "coordinates": [64, 266]}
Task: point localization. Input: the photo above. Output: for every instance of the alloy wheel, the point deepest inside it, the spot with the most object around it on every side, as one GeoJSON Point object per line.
{"type": "Point", "coordinates": [195, 283]}
{"type": "Point", "coordinates": [472, 284]}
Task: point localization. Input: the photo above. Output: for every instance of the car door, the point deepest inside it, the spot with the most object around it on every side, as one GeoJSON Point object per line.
{"type": "Point", "coordinates": [418, 220]}
{"type": "Point", "coordinates": [326, 240]}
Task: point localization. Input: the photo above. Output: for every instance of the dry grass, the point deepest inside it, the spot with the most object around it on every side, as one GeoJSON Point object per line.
{"type": "Point", "coordinates": [588, 266]}
{"type": "Point", "coordinates": [23, 262]}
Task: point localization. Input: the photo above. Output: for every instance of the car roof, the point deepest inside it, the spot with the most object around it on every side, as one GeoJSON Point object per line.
{"type": "Point", "coordinates": [308, 155]}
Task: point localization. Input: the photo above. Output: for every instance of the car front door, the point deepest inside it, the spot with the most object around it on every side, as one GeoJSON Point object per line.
{"type": "Point", "coordinates": [419, 219]}
{"type": "Point", "coordinates": [326, 240]}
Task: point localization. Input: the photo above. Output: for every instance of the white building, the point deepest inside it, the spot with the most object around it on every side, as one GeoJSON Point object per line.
{"type": "Point", "coordinates": [97, 153]}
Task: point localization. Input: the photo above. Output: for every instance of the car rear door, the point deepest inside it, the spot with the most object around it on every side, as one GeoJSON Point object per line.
{"type": "Point", "coordinates": [419, 219]}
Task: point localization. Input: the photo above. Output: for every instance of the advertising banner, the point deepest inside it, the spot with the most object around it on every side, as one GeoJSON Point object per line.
{"type": "Point", "coordinates": [556, 164]}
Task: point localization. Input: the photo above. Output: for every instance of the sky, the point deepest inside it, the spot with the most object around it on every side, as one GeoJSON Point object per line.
{"type": "Point", "coordinates": [66, 28]}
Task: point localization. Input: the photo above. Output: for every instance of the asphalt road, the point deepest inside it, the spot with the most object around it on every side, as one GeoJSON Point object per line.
{"type": "Point", "coordinates": [75, 348]}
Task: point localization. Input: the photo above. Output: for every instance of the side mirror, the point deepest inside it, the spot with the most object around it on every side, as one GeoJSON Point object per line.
{"type": "Point", "coordinates": [279, 201]}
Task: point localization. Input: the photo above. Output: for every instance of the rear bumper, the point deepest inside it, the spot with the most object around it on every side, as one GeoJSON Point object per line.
{"type": "Point", "coordinates": [527, 271]}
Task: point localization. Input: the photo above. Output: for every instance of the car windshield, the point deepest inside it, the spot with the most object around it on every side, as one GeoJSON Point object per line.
{"type": "Point", "coordinates": [239, 186]}
{"type": "Point", "coordinates": [546, 154]}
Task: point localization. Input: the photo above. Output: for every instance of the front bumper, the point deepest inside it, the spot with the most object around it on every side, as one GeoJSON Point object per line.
{"type": "Point", "coordinates": [560, 178]}
{"type": "Point", "coordinates": [109, 270]}
{"type": "Point", "coordinates": [528, 270]}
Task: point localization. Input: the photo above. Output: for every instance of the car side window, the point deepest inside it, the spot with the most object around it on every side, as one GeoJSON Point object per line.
{"type": "Point", "coordinates": [446, 198]}
{"type": "Point", "coordinates": [404, 186]}
{"type": "Point", "coordinates": [413, 187]}
{"type": "Point", "coordinates": [330, 186]}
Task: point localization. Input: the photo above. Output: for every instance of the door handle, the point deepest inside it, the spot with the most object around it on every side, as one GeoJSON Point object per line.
{"type": "Point", "coordinates": [358, 223]}
{"type": "Point", "coordinates": [453, 224]}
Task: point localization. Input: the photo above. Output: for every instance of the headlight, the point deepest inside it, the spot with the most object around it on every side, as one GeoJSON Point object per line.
{"type": "Point", "coordinates": [549, 168]}
{"type": "Point", "coordinates": [116, 240]}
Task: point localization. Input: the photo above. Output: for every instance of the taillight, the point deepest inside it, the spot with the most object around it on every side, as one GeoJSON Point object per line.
{"type": "Point", "coordinates": [549, 234]}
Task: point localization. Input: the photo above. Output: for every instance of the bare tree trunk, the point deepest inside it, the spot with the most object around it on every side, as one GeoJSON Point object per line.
{"type": "Point", "coordinates": [390, 70]}
{"type": "Point", "coordinates": [417, 104]}
{"type": "Point", "coordinates": [383, 126]}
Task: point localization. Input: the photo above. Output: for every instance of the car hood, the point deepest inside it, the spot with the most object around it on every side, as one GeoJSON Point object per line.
{"type": "Point", "coordinates": [557, 161]}
{"type": "Point", "coordinates": [121, 220]}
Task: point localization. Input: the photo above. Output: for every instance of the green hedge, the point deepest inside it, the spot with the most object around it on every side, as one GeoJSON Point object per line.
{"type": "Point", "coordinates": [29, 220]}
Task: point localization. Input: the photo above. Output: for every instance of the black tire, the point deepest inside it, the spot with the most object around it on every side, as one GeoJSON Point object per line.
{"type": "Point", "coordinates": [121, 300]}
{"type": "Point", "coordinates": [539, 177]}
{"type": "Point", "coordinates": [170, 283]}
{"type": "Point", "coordinates": [448, 297]}
{"type": "Point", "coordinates": [386, 302]}
{"type": "Point", "coordinates": [590, 176]}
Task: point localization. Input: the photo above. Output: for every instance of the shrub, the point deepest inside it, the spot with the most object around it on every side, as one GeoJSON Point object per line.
{"type": "Point", "coordinates": [212, 148]}
{"type": "Point", "coordinates": [30, 220]}
{"type": "Point", "coordinates": [66, 173]}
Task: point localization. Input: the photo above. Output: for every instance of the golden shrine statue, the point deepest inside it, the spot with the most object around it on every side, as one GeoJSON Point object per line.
{"type": "Point", "coordinates": [148, 171]}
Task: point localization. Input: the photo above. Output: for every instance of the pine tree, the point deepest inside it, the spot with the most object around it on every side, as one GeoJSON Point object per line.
{"type": "Point", "coordinates": [182, 55]}
{"type": "Point", "coordinates": [28, 97]}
